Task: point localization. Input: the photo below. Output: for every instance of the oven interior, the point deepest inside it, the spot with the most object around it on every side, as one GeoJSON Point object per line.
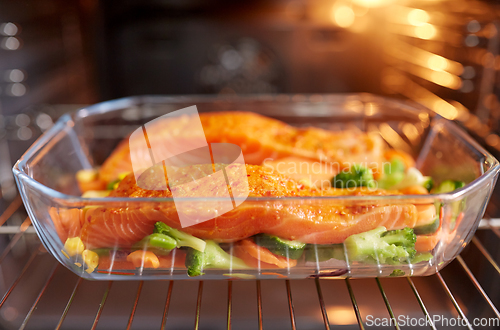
{"type": "Point", "coordinates": [56, 55]}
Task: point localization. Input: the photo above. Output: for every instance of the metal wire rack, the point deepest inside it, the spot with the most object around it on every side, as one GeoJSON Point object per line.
{"type": "Point", "coordinates": [38, 293]}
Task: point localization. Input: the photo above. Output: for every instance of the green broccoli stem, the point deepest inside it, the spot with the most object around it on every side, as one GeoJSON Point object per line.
{"type": "Point", "coordinates": [364, 244]}
{"type": "Point", "coordinates": [212, 257]}
{"type": "Point", "coordinates": [285, 248]}
{"type": "Point", "coordinates": [113, 184]}
{"type": "Point", "coordinates": [320, 253]}
{"type": "Point", "coordinates": [419, 257]}
{"type": "Point", "coordinates": [182, 239]}
{"type": "Point", "coordinates": [162, 241]}
{"type": "Point", "coordinates": [159, 243]}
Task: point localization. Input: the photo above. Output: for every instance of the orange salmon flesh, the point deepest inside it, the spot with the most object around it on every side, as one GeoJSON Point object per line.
{"type": "Point", "coordinates": [264, 142]}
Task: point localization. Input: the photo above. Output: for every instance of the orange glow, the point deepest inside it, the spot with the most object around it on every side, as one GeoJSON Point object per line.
{"type": "Point", "coordinates": [463, 112]}
{"type": "Point", "coordinates": [488, 60]}
{"type": "Point", "coordinates": [392, 80]}
{"type": "Point", "coordinates": [441, 106]}
{"type": "Point", "coordinates": [425, 31]}
{"type": "Point", "coordinates": [372, 3]}
{"type": "Point", "coordinates": [411, 132]}
{"type": "Point", "coordinates": [437, 63]}
{"type": "Point", "coordinates": [493, 140]}
{"type": "Point", "coordinates": [343, 16]}
{"type": "Point", "coordinates": [490, 101]}
{"type": "Point", "coordinates": [441, 78]}
{"type": "Point", "coordinates": [418, 17]}
{"type": "Point", "coordinates": [429, 66]}
{"type": "Point", "coordinates": [392, 137]}
{"type": "Point", "coordinates": [341, 315]}
{"type": "Point", "coordinates": [445, 79]}
{"type": "Point", "coordinates": [428, 99]}
{"type": "Point", "coordinates": [360, 11]}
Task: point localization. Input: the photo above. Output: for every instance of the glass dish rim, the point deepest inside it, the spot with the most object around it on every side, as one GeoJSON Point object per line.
{"type": "Point", "coordinates": [67, 120]}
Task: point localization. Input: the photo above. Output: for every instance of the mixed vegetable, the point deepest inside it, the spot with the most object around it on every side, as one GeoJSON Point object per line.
{"type": "Point", "coordinates": [213, 256]}
{"type": "Point", "coordinates": [377, 246]}
{"type": "Point", "coordinates": [355, 176]}
{"type": "Point", "coordinates": [380, 246]}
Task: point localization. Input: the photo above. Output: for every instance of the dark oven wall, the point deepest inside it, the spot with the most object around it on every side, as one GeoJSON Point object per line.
{"type": "Point", "coordinates": [43, 62]}
{"type": "Point", "coordinates": [42, 54]}
{"type": "Point", "coordinates": [173, 47]}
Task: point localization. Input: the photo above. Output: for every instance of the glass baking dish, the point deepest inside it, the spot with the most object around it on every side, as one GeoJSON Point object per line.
{"type": "Point", "coordinates": [45, 175]}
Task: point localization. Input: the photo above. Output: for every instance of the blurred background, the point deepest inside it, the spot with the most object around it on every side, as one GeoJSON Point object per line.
{"type": "Point", "coordinates": [58, 55]}
{"type": "Point", "coordinates": [441, 54]}
{"type": "Point", "coordinates": [84, 51]}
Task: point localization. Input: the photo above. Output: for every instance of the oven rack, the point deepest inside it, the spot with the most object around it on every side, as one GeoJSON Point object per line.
{"type": "Point", "coordinates": [38, 293]}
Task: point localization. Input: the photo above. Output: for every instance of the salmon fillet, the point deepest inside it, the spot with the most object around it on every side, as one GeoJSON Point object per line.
{"type": "Point", "coordinates": [316, 220]}
{"type": "Point", "coordinates": [259, 138]}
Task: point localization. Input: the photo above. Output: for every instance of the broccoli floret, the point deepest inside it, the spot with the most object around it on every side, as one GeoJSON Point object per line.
{"type": "Point", "coordinates": [395, 166]}
{"type": "Point", "coordinates": [401, 237]}
{"type": "Point", "coordinates": [428, 183]}
{"type": "Point", "coordinates": [213, 257]}
{"type": "Point", "coordinates": [180, 237]}
{"type": "Point", "coordinates": [394, 173]}
{"type": "Point", "coordinates": [382, 246]}
{"type": "Point", "coordinates": [356, 176]}
{"type": "Point", "coordinates": [448, 186]}
{"type": "Point", "coordinates": [413, 177]}
{"type": "Point", "coordinates": [397, 272]}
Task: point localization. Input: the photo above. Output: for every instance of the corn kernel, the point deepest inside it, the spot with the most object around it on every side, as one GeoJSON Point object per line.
{"type": "Point", "coordinates": [74, 246]}
{"type": "Point", "coordinates": [78, 264]}
{"type": "Point", "coordinates": [90, 258]}
{"type": "Point", "coordinates": [122, 176]}
{"type": "Point", "coordinates": [89, 270]}
{"type": "Point", "coordinates": [87, 175]}
{"type": "Point", "coordinates": [96, 193]}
